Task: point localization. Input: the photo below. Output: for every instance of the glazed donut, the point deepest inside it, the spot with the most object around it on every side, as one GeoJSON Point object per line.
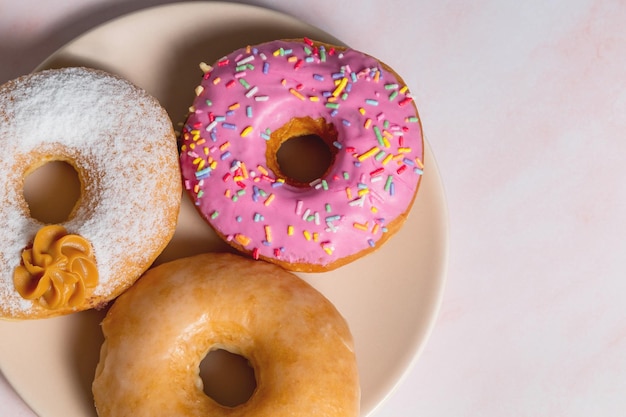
{"type": "Point", "coordinates": [121, 143]}
{"type": "Point", "coordinates": [256, 98]}
{"type": "Point", "coordinates": [158, 332]}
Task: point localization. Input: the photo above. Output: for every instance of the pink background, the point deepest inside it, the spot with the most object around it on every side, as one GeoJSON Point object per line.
{"type": "Point", "coordinates": [524, 106]}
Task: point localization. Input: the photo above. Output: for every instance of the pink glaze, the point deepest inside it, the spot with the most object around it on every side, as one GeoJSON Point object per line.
{"type": "Point", "coordinates": [256, 90]}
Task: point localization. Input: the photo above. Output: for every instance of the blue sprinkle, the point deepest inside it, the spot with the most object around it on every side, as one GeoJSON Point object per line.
{"type": "Point", "coordinates": [220, 118]}
{"type": "Point", "coordinates": [346, 122]}
{"type": "Point", "coordinates": [266, 67]}
{"type": "Point", "coordinates": [318, 77]}
{"type": "Point", "coordinates": [225, 155]}
{"type": "Point", "coordinates": [265, 136]}
{"type": "Point", "coordinates": [326, 94]}
{"type": "Point", "coordinates": [357, 164]}
{"type": "Point", "coordinates": [418, 171]}
{"type": "Point", "coordinates": [277, 184]}
{"type": "Point", "coordinates": [337, 75]}
{"type": "Point", "coordinates": [230, 113]}
{"type": "Point", "coordinates": [333, 218]}
{"type": "Point", "coordinates": [334, 113]}
{"type": "Point", "coordinates": [392, 189]}
{"type": "Point", "coordinates": [239, 219]}
{"type": "Point", "coordinates": [229, 126]}
{"type": "Point", "coordinates": [249, 111]}
{"type": "Point", "coordinates": [213, 135]}
{"type": "Point", "coordinates": [354, 77]}
{"type": "Point", "coordinates": [348, 87]}
{"type": "Point", "coordinates": [337, 145]}
{"type": "Point", "coordinates": [408, 162]}
{"type": "Point", "coordinates": [309, 59]}
{"type": "Point", "coordinates": [203, 173]}
{"type": "Point", "coordinates": [371, 102]}
{"type": "Point", "coordinates": [258, 217]}
{"type": "Point", "coordinates": [265, 243]}
{"type": "Point", "coordinates": [371, 242]}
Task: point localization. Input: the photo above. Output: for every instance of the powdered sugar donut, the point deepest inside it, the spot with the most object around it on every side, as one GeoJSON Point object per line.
{"type": "Point", "coordinates": [121, 143]}
{"type": "Point", "coordinates": [256, 98]}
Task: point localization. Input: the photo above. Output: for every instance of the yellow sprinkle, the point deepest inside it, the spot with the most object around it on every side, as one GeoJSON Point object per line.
{"type": "Point", "coordinates": [307, 235]}
{"type": "Point", "coordinates": [269, 199]}
{"type": "Point", "coordinates": [276, 52]}
{"type": "Point", "coordinates": [387, 159]}
{"type": "Point", "coordinates": [368, 154]}
{"type": "Point", "coordinates": [213, 165]}
{"type": "Point", "coordinates": [242, 239]}
{"type": "Point", "coordinates": [362, 111]}
{"type": "Point", "coordinates": [197, 161]}
{"type": "Point", "coordinates": [404, 150]}
{"type": "Point", "coordinates": [201, 164]}
{"type": "Point", "coordinates": [316, 237]}
{"type": "Point", "coordinates": [404, 89]}
{"type": "Point", "coordinates": [314, 98]}
{"type": "Point", "coordinates": [205, 67]}
{"type": "Point", "coordinates": [340, 87]}
{"type": "Point", "coordinates": [296, 93]}
{"type": "Point", "coordinates": [216, 80]}
{"type": "Point", "coordinates": [328, 249]}
{"type": "Point", "coordinates": [246, 131]}
{"type": "Point", "coordinates": [363, 191]}
{"type": "Point", "coordinates": [290, 230]}
{"type": "Point", "coordinates": [360, 226]}
{"type": "Point", "coordinates": [374, 209]}
{"type": "Point", "coordinates": [238, 178]}
{"type": "Point", "coordinates": [199, 89]}
{"type": "Point", "coordinates": [206, 150]}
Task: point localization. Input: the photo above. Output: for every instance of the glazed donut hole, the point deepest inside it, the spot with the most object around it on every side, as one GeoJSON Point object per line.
{"type": "Point", "coordinates": [52, 191]}
{"type": "Point", "coordinates": [228, 378]}
{"type": "Point", "coordinates": [302, 150]}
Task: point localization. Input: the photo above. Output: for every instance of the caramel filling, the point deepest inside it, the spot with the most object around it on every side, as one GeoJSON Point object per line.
{"type": "Point", "coordinates": [57, 270]}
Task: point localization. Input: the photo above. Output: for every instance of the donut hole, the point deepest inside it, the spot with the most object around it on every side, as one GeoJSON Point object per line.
{"type": "Point", "coordinates": [52, 191]}
{"type": "Point", "coordinates": [302, 150]}
{"type": "Point", "coordinates": [228, 378]}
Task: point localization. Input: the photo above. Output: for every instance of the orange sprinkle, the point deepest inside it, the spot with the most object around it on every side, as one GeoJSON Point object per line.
{"type": "Point", "coordinates": [296, 93]}
{"type": "Point", "coordinates": [269, 200]}
{"type": "Point", "coordinates": [242, 239]}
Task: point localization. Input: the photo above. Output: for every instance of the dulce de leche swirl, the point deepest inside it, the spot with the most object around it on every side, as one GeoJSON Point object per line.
{"type": "Point", "coordinates": [57, 270]}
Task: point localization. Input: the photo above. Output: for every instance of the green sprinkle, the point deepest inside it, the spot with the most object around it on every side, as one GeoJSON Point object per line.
{"type": "Point", "coordinates": [379, 136]}
{"type": "Point", "coordinates": [240, 68]}
{"type": "Point", "coordinates": [328, 209]}
{"type": "Point", "coordinates": [413, 119]}
{"type": "Point", "coordinates": [380, 155]}
{"type": "Point", "coordinates": [332, 105]}
{"type": "Point", "coordinates": [325, 185]}
{"type": "Point", "coordinates": [344, 96]}
{"type": "Point", "coordinates": [346, 176]}
{"type": "Point", "coordinates": [209, 103]}
{"type": "Point", "coordinates": [388, 183]}
{"type": "Point", "coordinates": [386, 124]}
{"type": "Point", "coordinates": [310, 218]}
{"type": "Point", "coordinates": [245, 84]}
{"type": "Point", "coordinates": [241, 192]}
{"type": "Point", "coordinates": [391, 86]}
{"type": "Point", "coordinates": [215, 214]}
{"type": "Point", "coordinates": [393, 95]}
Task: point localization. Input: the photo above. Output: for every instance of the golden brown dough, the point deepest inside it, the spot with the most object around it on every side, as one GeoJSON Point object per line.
{"type": "Point", "coordinates": [158, 331]}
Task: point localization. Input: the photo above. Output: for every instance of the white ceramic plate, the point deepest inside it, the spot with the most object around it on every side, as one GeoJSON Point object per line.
{"type": "Point", "coordinates": [389, 298]}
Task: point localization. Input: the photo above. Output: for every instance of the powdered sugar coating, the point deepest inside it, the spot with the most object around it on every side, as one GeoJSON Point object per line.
{"type": "Point", "coordinates": [116, 136]}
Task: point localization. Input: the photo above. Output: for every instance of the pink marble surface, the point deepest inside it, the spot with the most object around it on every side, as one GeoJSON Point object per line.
{"type": "Point", "coordinates": [524, 105]}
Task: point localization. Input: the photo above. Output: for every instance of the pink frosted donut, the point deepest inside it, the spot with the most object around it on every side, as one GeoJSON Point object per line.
{"type": "Point", "coordinates": [256, 98]}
